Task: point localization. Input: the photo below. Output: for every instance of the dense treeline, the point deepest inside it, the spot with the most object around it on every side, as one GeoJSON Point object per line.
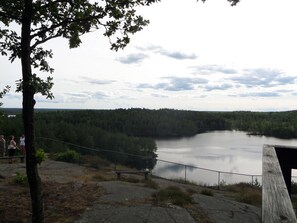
{"type": "Point", "coordinates": [133, 130]}
{"type": "Point", "coordinates": [276, 124]}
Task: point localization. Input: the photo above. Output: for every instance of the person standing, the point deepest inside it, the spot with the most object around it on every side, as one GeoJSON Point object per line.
{"type": "Point", "coordinates": [22, 144]}
{"type": "Point", "coordinates": [11, 148]}
{"type": "Point", "coordinates": [2, 146]}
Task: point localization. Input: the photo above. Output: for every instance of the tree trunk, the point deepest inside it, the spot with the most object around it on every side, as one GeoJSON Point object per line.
{"type": "Point", "coordinates": [28, 116]}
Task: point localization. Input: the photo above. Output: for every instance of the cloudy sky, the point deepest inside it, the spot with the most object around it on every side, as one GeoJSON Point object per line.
{"type": "Point", "coordinates": [192, 56]}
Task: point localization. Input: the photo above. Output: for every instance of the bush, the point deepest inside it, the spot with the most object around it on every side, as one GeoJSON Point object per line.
{"type": "Point", "coordinates": [69, 156]}
{"type": "Point", "coordinates": [20, 179]}
{"type": "Point", "coordinates": [40, 155]}
{"type": "Point", "coordinates": [173, 195]}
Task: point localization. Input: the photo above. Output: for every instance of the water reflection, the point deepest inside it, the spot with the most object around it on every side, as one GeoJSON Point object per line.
{"type": "Point", "coordinates": [225, 151]}
{"type": "Point", "coordinates": [174, 168]}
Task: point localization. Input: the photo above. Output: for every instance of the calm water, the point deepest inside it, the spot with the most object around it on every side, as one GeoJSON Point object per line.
{"type": "Point", "coordinates": [227, 151]}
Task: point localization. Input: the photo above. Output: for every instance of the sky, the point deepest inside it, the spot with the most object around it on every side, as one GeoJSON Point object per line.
{"type": "Point", "coordinates": [192, 56]}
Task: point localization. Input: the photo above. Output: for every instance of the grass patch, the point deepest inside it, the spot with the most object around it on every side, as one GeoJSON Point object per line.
{"type": "Point", "coordinates": [173, 195]}
{"type": "Point", "coordinates": [131, 179]}
{"type": "Point", "coordinates": [245, 192]}
{"type": "Point", "coordinates": [151, 184]}
{"type": "Point", "coordinates": [95, 161]}
{"type": "Point", "coordinates": [182, 181]}
{"type": "Point", "coordinates": [103, 177]}
{"type": "Point", "coordinates": [249, 196]}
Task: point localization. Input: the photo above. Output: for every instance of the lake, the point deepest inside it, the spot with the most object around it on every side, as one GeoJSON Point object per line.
{"type": "Point", "coordinates": [224, 151]}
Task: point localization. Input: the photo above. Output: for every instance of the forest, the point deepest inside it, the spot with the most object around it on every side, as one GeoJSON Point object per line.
{"type": "Point", "coordinates": [120, 133]}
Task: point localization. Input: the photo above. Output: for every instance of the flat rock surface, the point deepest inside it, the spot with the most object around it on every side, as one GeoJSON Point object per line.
{"type": "Point", "coordinates": [222, 210]}
{"type": "Point", "coordinates": [118, 205]}
{"type": "Point", "coordinates": [130, 202]}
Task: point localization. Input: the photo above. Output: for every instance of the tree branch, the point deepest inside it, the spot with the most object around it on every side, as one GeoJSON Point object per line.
{"type": "Point", "coordinates": [60, 25]}
{"type": "Point", "coordinates": [38, 42]}
{"type": "Point", "coordinates": [10, 16]}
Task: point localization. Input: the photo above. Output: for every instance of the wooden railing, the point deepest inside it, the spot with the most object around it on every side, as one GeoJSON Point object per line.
{"type": "Point", "coordinates": [278, 162]}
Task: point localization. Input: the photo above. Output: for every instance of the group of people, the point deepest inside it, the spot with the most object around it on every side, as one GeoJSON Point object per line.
{"type": "Point", "coordinates": [11, 147]}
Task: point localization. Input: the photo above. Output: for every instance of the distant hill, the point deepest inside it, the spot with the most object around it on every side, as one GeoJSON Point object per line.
{"type": "Point", "coordinates": [17, 111]}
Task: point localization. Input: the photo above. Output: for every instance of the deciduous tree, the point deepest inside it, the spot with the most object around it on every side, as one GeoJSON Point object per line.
{"type": "Point", "coordinates": [43, 20]}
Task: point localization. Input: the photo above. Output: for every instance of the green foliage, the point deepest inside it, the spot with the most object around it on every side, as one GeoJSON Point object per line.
{"type": "Point", "coordinates": [3, 92]}
{"type": "Point", "coordinates": [40, 156]}
{"type": "Point", "coordinates": [20, 179]}
{"type": "Point", "coordinates": [69, 156]}
{"type": "Point", "coordinates": [173, 195]}
{"type": "Point", "coordinates": [41, 86]}
{"type": "Point", "coordinates": [130, 131]}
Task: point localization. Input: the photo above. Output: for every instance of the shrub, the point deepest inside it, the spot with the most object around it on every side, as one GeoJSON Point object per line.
{"type": "Point", "coordinates": [69, 156]}
{"type": "Point", "coordinates": [20, 179]}
{"type": "Point", "coordinates": [40, 155]}
{"type": "Point", "coordinates": [173, 195]}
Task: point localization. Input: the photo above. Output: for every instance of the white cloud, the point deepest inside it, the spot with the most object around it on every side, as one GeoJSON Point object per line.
{"type": "Point", "coordinates": [210, 57]}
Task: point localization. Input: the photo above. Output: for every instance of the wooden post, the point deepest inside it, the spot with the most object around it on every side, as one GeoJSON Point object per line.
{"type": "Point", "coordinates": [276, 203]}
{"type": "Point", "coordinates": [219, 180]}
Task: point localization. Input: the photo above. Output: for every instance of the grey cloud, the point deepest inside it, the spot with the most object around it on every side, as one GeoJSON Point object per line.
{"type": "Point", "coordinates": [263, 77]}
{"type": "Point", "coordinates": [180, 84]}
{"type": "Point", "coordinates": [100, 95]}
{"type": "Point", "coordinates": [97, 81]}
{"type": "Point", "coordinates": [175, 84]}
{"type": "Point", "coordinates": [44, 100]}
{"type": "Point", "coordinates": [261, 94]}
{"type": "Point", "coordinates": [213, 68]}
{"type": "Point", "coordinates": [178, 55]}
{"type": "Point", "coordinates": [175, 54]}
{"type": "Point", "coordinates": [77, 97]}
{"type": "Point", "coordinates": [159, 95]}
{"type": "Point", "coordinates": [153, 48]}
{"type": "Point", "coordinates": [286, 80]}
{"type": "Point", "coordinates": [13, 96]}
{"type": "Point", "coordinates": [132, 58]}
{"type": "Point", "coordinates": [218, 87]}
{"type": "Point", "coordinates": [84, 96]}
